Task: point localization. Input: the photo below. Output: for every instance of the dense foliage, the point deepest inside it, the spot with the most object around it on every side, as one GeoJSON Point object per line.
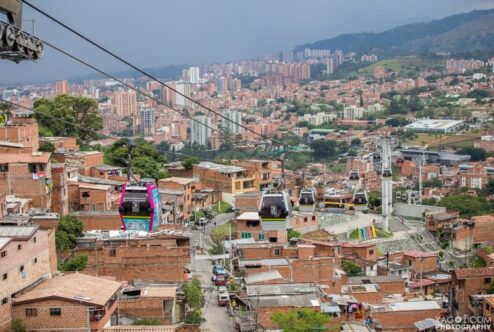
{"type": "Point", "coordinates": [77, 263]}
{"type": "Point", "coordinates": [301, 320]}
{"type": "Point", "coordinates": [68, 230]}
{"type": "Point", "coordinates": [72, 116]}
{"type": "Point", "coordinates": [194, 299]}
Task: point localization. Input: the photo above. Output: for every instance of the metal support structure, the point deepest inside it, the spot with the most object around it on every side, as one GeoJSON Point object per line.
{"type": "Point", "coordinates": [386, 185]}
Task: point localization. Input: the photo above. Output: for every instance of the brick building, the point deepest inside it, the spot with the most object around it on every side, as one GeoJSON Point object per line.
{"type": "Point", "coordinates": [21, 131]}
{"type": "Point", "coordinates": [249, 225]}
{"type": "Point", "coordinates": [27, 175]}
{"type": "Point", "coordinates": [153, 303]}
{"type": "Point", "coordinates": [467, 282]}
{"type": "Point", "coordinates": [74, 302]}
{"type": "Point", "coordinates": [100, 220]}
{"type": "Point", "coordinates": [387, 284]}
{"type": "Point", "coordinates": [440, 220]}
{"type": "Point", "coordinates": [161, 256]}
{"type": "Point", "coordinates": [90, 197]}
{"type": "Point", "coordinates": [24, 260]}
{"type": "Point", "coordinates": [260, 170]}
{"type": "Point", "coordinates": [228, 180]}
{"type": "Point", "coordinates": [61, 144]}
{"type": "Point", "coordinates": [179, 195]}
{"type": "Point", "coordinates": [401, 316]}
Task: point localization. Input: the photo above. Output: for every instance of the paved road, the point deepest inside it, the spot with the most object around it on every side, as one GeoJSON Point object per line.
{"type": "Point", "coordinates": [217, 318]}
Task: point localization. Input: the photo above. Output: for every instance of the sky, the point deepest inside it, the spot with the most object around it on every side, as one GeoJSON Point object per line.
{"type": "Point", "coordinates": [156, 33]}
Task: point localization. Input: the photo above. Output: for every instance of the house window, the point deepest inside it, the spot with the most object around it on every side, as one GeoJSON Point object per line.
{"type": "Point", "coordinates": [55, 312]}
{"type": "Point", "coordinates": [371, 252]}
{"type": "Point", "coordinates": [5, 276]}
{"type": "Point", "coordinates": [113, 253]}
{"type": "Point", "coordinates": [5, 300]}
{"type": "Point", "coordinates": [305, 219]}
{"type": "Point", "coordinates": [487, 280]}
{"type": "Point", "coordinates": [35, 260]}
{"type": "Point", "coordinates": [19, 247]}
{"type": "Point", "coordinates": [246, 235]}
{"type": "Point", "coordinates": [261, 236]}
{"type": "Point", "coordinates": [85, 194]}
{"type": "Point", "coordinates": [31, 312]}
{"type": "Point", "coordinates": [3, 254]}
{"type": "Point", "coordinates": [277, 252]}
{"type": "Point", "coordinates": [21, 268]}
{"type": "Point", "coordinates": [4, 168]}
{"type": "Point", "coordinates": [34, 239]}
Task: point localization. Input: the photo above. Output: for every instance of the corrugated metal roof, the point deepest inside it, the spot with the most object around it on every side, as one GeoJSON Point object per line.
{"type": "Point", "coordinates": [263, 276]}
{"type": "Point", "coordinates": [281, 289]}
{"type": "Point", "coordinates": [287, 301]}
{"type": "Point", "coordinates": [17, 231]}
{"type": "Point", "coordinates": [168, 292]}
{"type": "Point", "coordinates": [220, 168]}
{"type": "Point", "coordinates": [4, 241]}
{"type": "Point", "coordinates": [142, 328]}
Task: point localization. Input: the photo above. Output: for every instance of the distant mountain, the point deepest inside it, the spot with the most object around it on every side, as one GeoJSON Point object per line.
{"type": "Point", "coordinates": [460, 33]}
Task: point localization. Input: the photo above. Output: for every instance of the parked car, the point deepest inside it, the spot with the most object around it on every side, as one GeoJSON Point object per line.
{"type": "Point", "coordinates": [218, 269]}
{"type": "Point", "coordinates": [202, 221]}
{"type": "Point", "coordinates": [222, 289]}
{"type": "Point", "coordinates": [223, 299]}
{"type": "Point", "coordinates": [220, 280]}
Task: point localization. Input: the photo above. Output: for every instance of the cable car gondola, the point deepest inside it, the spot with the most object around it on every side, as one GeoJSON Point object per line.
{"type": "Point", "coordinates": [307, 200]}
{"type": "Point", "coordinates": [275, 206]}
{"type": "Point", "coordinates": [387, 173]}
{"type": "Point", "coordinates": [354, 176]}
{"type": "Point", "coordinates": [140, 207]}
{"type": "Point", "coordinates": [360, 200]}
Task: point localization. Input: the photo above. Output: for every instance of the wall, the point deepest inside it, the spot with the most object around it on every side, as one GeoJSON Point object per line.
{"type": "Point", "coordinates": [146, 307]}
{"type": "Point", "coordinates": [414, 211]}
{"type": "Point", "coordinates": [404, 320]}
{"type": "Point", "coordinates": [74, 316]}
{"type": "Point", "coordinates": [102, 220]}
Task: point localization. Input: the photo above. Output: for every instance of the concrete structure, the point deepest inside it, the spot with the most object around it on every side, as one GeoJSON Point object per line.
{"type": "Point", "coordinates": [148, 121]}
{"type": "Point", "coordinates": [466, 282]}
{"type": "Point", "coordinates": [234, 121]}
{"type": "Point", "coordinates": [435, 126]}
{"type": "Point", "coordinates": [200, 129]}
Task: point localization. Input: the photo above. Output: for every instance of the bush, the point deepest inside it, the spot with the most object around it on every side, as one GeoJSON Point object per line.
{"type": "Point", "coordinates": [351, 268]}
{"type": "Point", "coordinates": [78, 263]}
{"type": "Point", "coordinates": [294, 234]}
{"type": "Point", "coordinates": [18, 326]}
{"type": "Point", "coordinates": [68, 230]}
{"type": "Point", "coordinates": [194, 317]}
{"type": "Point", "coordinates": [147, 322]}
{"type": "Point", "coordinates": [216, 250]}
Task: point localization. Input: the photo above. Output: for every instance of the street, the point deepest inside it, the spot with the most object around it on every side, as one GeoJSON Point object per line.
{"type": "Point", "coordinates": [217, 318]}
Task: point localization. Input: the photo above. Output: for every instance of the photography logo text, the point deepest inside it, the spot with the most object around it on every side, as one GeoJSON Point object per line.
{"type": "Point", "coordinates": [478, 323]}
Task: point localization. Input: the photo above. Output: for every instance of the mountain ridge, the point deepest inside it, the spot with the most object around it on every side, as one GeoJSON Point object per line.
{"type": "Point", "coordinates": [455, 34]}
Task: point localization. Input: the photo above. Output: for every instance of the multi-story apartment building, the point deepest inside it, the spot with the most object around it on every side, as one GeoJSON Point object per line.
{"type": "Point", "coordinates": [23, 131]}
{"type": "Point", "coordinates": [232, 122]}
{"type": "Point", "coordinates": [124, 103]}
{"type": "Point", "coordinates": [261, 170]}
{"type": "Point", "coordinates": [180, 190]}
{"type": "Point", "coordinates": [24, 260]}
{"type": "Point", "coordinates": [227, 180]}
{"type": "Point", "coordinates": [148, 121]}
{"type": "Point", "coordinates": [27, 175]}
{"type": "Point", "coordinates": [200, 129]}
{"type": "Point", "coordinates": [467, 282]}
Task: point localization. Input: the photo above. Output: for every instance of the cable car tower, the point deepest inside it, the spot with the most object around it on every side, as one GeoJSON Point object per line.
{"type": "Point", "coordinates": [387, 184]}
{"type": "Point", "coordinates": [15, 44]}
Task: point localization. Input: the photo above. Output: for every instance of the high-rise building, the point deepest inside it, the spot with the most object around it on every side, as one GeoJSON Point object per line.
{"type": "Point", "coordinates": [183, 89]}
{"type": "Point", "coordinates": [124, 103]}
{"type": "Point", "coordinates": [200, 129]}
{"type": "Point", "coordinates": [233, 126]}
{"type": "Point", "coordinates": [61, 87]}
{"type": "Point", "coordinates": [148, 120]}
{"type": "Point", "coordinates": [194, 75]}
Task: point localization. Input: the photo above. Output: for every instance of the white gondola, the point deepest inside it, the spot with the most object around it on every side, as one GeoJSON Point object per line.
{"type": "Point", "coordinates": [307, 200]}
{"type": "Point", "coordinates": [354, 175]}
{"type": "Point", "coordinates": [360, 200]}
{"type": "Point", "coordinates": [275, 206]}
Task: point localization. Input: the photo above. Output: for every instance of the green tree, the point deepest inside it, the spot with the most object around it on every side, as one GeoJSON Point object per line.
{"type": "Point", "coordinates": [46, 147]}
{"type": "Point", "coordinates": [262, 102]}
{"type": "Point", "coordinates": [351, 268]}
{"type": "Point", "coordinates": [476, 154]}
{"type": "Point", "coordinates": [68, 230]}
{"type": "Point", "coordinates": [193, 293]}
{"type": "Point", "coordinates": [300, 320]}
{"type": "Point", "coordinates": [69, 116]}
{"type": "Point", "coordinates": [435, 182]}
{"type": "Point", "coordinates": [489, 189]}
{"type": "Point", "coordinates": [467, 205]}
{"type": "Point", "coordinates": [188, 162]}
{"type": "Point", "coordinates": [479, 94]}
{"type": "Point", "coordinates": [146, 159]}
{"type": "Point", "coordinates": [324, 148]}
{"type": "Point", "coordinates": [77, 263]}
{"type": "Point", "coordinates": [294, 234]}
{"type": "Point", "coordinates": [147, 322]}
{"type": "Point", "coordinates": [399, 121]}
{"type": "Point", "coordinates": [356, 141]}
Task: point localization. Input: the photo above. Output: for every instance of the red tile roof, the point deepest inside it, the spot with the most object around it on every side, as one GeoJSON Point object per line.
{"type": "Point", "coordinates": [474, 272]}
{"type": "Point", "coordinates": [419, 254]}
{"type": "Point", "coordinates": [424, 282]}
{"type": "Point", "coordinates": [37, 157]}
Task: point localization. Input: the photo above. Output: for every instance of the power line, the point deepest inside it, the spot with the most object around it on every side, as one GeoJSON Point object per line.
{"type": "Point", "coordinates": [87, 39]}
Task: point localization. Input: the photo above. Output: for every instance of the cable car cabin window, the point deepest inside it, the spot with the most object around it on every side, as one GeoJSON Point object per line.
{"type": "Point", "coordinates": [4, 168]}
{"type": "Point", "coordinates": [274, 207]}
{"type": "Point", "coordinates": [136, 203]}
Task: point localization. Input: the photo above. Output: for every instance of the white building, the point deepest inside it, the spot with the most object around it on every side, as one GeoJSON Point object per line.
{"type": "Point", "coordinates": [200, 129]}
{"type": "Point", "coordinates": [184, 89]}
{"type": "Point", "coordinates": [194, 75]}
{"type": "Point", "coordinates": [175, 147]}
{"type": "Point", "coordinates": [353, 112]}
{"type": "Point", "coordinates": [435, 126]}
{"type": "Point", "coordinates": [375, 108]}
{"type": "Point", "coordinates": [318, 119]}
{"type": "Point", "coordinates": [233, 126]}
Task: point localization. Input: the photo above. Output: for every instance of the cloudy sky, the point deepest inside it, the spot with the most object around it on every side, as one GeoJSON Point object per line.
{"type": "Point", "coordinates": [154, 33]}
